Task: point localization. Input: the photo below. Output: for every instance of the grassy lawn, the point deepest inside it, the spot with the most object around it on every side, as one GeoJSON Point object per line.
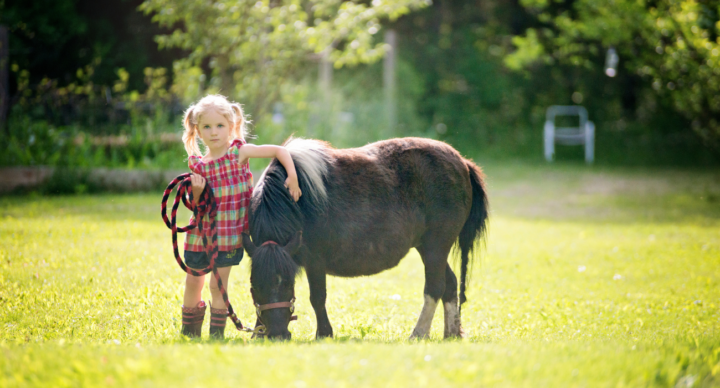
{"type": "Point", "coordinates": [589, 277]}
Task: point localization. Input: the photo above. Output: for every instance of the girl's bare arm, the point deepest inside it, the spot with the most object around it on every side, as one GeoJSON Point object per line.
{"type": "Point", "coordinates": [283, 156]}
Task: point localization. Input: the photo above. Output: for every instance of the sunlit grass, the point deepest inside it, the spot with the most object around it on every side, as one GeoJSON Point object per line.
{"type": "Point", "coordinates": [601, 278]}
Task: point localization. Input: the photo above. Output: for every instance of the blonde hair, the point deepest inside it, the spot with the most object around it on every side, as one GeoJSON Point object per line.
{"type": "Point", "coordinates": [232, 111]}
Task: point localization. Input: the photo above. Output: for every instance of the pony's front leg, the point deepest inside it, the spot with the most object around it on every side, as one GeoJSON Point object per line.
{"type": "Point", "coordinates": [318, 295]}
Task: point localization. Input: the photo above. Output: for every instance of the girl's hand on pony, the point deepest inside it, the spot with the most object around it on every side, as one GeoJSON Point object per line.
{"type": "Point", "coordinates": [198, 185]}
{"type": "Point", "coordinates": [294, 188]}
{"type": "Point", "coordinates": [283, 156]}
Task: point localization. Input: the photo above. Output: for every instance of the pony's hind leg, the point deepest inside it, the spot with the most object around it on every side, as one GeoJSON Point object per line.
{"type": "Point", "coordinates": [422, 328]}
{"type": "Point", "coordinates": [435, 261]}
{"type": "Point", "coordinates": [453, 328]}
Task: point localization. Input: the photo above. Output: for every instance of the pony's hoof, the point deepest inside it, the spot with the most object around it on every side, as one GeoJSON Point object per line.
{"type": "Point", "coordinates": [322, 336]}
{"type": "Point", "coordinates": [418, 336]}
{"type": "Point", "coordinates": [460, 334]}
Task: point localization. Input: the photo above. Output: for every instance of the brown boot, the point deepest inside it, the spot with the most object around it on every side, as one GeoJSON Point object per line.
{"type": "Point", "coordinates": [192, 320]}
{"type": "Point", "coordinates": [218, 319]}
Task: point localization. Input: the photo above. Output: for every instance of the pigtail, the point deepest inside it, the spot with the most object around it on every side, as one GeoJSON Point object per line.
{"type": "Point", "coordinates": [240, 129]}
{"type": "Point", "coordinates": [189, 136]}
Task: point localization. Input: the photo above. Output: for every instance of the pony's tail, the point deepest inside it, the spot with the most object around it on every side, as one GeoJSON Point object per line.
{"type": "Point", "coordinates": [474, 229]}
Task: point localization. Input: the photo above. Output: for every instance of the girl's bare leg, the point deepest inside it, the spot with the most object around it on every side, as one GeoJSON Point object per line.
{"type": "Point", "coordinates": [217, 299]}
{"type": "Point", "coordinates": [193, 290]}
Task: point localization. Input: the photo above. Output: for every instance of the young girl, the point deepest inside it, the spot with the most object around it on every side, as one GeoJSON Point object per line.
{"type": "Point", "coordinates": [221, 127]}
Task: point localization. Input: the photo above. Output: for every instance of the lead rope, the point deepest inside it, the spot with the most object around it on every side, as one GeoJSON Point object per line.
{"type": "Point", "coordinates": [206, 206]}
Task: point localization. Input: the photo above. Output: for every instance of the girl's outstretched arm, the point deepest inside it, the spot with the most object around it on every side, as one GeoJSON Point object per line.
{"type": "Point", "coordinates": [248, 151]}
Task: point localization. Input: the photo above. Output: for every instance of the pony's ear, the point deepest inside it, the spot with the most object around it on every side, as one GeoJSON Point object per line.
{"type": "Point", "coordinates": [248, 244]}
{"type": "Point", "coordinates": [294, 244]}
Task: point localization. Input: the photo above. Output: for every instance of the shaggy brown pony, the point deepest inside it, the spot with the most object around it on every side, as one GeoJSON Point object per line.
{"type": "Point", "coordinates": [361, 211]}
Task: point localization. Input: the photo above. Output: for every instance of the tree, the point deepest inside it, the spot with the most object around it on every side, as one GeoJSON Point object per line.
{"type": "Point", "coordinates": [672, 44]}
{"type": "Point", "coordinates": [253, 46]}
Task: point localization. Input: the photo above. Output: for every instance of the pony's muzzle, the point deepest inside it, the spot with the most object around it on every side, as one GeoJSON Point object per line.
{"type": "Point", "coordinates": [277, 322]}
{"type": "Point", "coordinates": [286, 336]}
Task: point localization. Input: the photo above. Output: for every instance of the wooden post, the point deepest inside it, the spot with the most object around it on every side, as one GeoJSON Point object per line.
{"type": "Point", "coordinates": [389, 83]}
{"type": "Point", "coordinates": [321, 120]}
{"type": "Point", "coordinates": [4, 77]}
{"type": "Point", "coordinates": [325, 73]}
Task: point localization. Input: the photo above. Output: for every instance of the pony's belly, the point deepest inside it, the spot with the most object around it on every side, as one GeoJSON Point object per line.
{"type": "Point", "coordinates": [364, 262]}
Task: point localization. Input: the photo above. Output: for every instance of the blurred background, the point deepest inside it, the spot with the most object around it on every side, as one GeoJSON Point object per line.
{"type": "Point", "coordinates": [88, 84]}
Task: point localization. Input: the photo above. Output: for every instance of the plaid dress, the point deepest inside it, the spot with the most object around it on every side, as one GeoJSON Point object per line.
{"type": "Point", "coordinates": [232, 188]}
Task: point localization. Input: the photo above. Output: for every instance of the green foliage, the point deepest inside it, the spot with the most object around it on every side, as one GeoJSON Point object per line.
{"type": "Point", "coordinates": [477, 76]}
{"type": "Point", "coordinates": [353, 114]}
{"type": "Point", "coordinates": [143, 144]}
{"type": "Point", "coordinates": [43, 26]}
{"type": "Point", "coordinates": [356, 111]}
{"type": "Point", "coordinates": [261, 44]}
{"type": "Point", "coordinates": [529, 50]}
{"type": "Point", "coordinates": [466, 96]}
{"type": "Point", "coordinates": [604, 278]}
{"type": "Point", "coordinates": [66, 181]}
{"type": "Point", "coordinates": [37, 143]}
{"type": "Point", "coordinates": [52, 39]}
{"type": "Point", "coordinates": [471, 99]}
{"type": "Point", "coordinates": [672, 44]}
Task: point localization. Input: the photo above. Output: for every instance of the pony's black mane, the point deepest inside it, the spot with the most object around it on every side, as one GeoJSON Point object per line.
{"type": "Point", "coordinates": [272, 260]}
{"type": "Point", "coordinates": [274, 215]}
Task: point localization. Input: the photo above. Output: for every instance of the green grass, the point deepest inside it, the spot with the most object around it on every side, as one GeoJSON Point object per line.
{"type": "Point", "coordinates": [590, 277]}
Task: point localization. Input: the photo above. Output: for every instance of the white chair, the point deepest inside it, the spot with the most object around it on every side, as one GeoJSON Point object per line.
{"type": "Point", "coordinates": [583, 134]}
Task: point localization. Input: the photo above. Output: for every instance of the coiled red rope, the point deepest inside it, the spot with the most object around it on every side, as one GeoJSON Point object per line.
{"type": "Point", "coordinates": [206, 205]}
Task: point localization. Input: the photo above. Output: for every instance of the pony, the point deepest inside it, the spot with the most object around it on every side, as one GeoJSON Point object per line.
{"type": "Point", "coordinates": [361, 211]}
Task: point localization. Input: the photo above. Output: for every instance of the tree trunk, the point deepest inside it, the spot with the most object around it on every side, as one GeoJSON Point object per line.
{"type": "Point", "coordinates": [227, 81]}
{"type": "Point", "coordinates": [4, 79]}
{"type": "Point", "coordinates": [389, 83]}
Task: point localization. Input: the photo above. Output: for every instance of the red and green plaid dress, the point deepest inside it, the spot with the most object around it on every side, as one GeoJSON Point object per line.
{"type": "Point", "coordinates": [232, 188]}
